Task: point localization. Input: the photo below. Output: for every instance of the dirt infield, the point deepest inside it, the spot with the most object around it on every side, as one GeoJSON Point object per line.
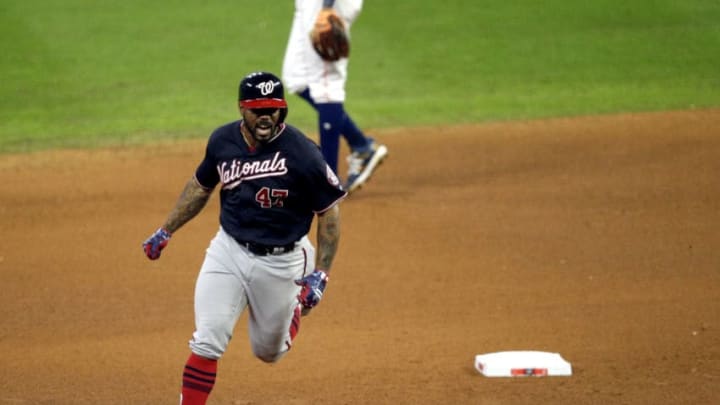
{"type": "Point", "coordinates": [597, 238]}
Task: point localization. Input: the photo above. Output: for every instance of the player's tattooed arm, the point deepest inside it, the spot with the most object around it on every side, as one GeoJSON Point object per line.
{"type": "Point", "coordinates": [328, 236]}
{"type": "Point", "coordinates": [191, 201]}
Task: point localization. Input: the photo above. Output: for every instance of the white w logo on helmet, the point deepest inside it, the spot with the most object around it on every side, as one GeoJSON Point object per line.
{"type": "Point", "coordinates": [267, 87]}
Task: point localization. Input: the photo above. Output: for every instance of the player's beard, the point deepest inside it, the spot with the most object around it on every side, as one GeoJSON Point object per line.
{"type": "Point", "coordinates": [263, 130]}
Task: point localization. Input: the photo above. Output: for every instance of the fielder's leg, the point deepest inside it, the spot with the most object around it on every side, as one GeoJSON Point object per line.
{"type": "Point", "coordinates": [333, 121]}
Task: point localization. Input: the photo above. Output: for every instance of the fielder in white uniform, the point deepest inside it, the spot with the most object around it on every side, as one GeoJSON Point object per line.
{"type": "Point", "coordinates": [322, 85]}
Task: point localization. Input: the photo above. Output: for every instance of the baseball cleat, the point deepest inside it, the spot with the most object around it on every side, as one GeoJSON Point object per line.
{"type": "Point", "coordinates": [362, 166]}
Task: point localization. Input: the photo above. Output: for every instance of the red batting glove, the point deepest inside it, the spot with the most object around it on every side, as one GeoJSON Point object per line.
{"type": "Point", "coordinates": [312, 289]}
{"type": "Point", "coordinates": [156, 243]}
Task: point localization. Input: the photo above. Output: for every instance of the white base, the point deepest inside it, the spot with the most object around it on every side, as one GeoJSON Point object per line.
{"type": "Point", "coordinates": [522, 364]}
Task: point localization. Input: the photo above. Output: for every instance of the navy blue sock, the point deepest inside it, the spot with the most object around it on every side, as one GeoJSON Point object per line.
{"type": "Point", "coordinates": [329, 121]}
{"type": "Point", "coordinates": [334, 114]}
{"type": "Point", "coordinates": [355, 137]}
{"type": "Point", "coordinates": [329, 132]}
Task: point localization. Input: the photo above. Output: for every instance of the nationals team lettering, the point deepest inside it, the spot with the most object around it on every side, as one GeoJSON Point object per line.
{"type": "Point", "coordinates": [234, 173]}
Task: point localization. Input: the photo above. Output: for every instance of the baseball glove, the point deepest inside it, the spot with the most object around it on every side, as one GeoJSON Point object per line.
{"type": "Point", "coordinates": [329, 37]}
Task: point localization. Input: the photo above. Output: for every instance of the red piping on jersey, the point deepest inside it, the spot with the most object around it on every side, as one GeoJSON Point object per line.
{"type": "Point", "coordinates": [332, 204]}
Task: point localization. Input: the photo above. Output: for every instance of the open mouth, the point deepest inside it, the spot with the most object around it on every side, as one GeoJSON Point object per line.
{"type": "Point", "coordinates": [264, 125]}
{"type": "Point", "coordinates": [264, 128]}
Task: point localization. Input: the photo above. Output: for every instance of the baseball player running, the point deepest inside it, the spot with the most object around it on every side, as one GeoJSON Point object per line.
{"type": "Point", "coordinates": [321, 83]}
{"type": "Point", "coordinates": [273, 182]}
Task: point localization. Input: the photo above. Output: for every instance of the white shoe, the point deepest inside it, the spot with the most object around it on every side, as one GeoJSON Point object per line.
{"type": "Point", "coordinates": [362, 166]}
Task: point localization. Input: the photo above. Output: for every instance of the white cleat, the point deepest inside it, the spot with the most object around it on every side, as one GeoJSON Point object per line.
{"type": "Point", "coordinates": [362, 166]}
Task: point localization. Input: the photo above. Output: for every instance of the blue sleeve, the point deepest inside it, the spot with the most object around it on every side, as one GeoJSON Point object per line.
{"type": "Point", "coordinates": [327, 186]}
{"type": "Point", "coordinates": [206, 173]}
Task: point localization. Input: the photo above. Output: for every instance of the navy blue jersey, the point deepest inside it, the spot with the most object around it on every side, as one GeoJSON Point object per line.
{"type": "Point", "coordinates": [268, 195]}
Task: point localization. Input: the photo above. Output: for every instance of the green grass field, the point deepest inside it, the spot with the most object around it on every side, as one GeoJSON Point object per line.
{"type": "Point", "coordinates": [82, 73]}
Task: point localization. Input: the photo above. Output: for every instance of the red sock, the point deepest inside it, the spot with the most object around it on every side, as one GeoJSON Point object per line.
{"type": "Point", "coordinates": [198, 380]}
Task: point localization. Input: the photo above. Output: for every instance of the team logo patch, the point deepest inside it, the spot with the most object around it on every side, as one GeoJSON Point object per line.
{"type": "Point", "coordinates": [267, 87]}
{"type": "Point", "coordinates": [332, 178]}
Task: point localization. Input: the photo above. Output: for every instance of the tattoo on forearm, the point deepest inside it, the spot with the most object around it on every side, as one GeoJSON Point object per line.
{"type": "Point", "coordinates": [328, 236]}
{"type": "Point", "coordinates": [191, 201]}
